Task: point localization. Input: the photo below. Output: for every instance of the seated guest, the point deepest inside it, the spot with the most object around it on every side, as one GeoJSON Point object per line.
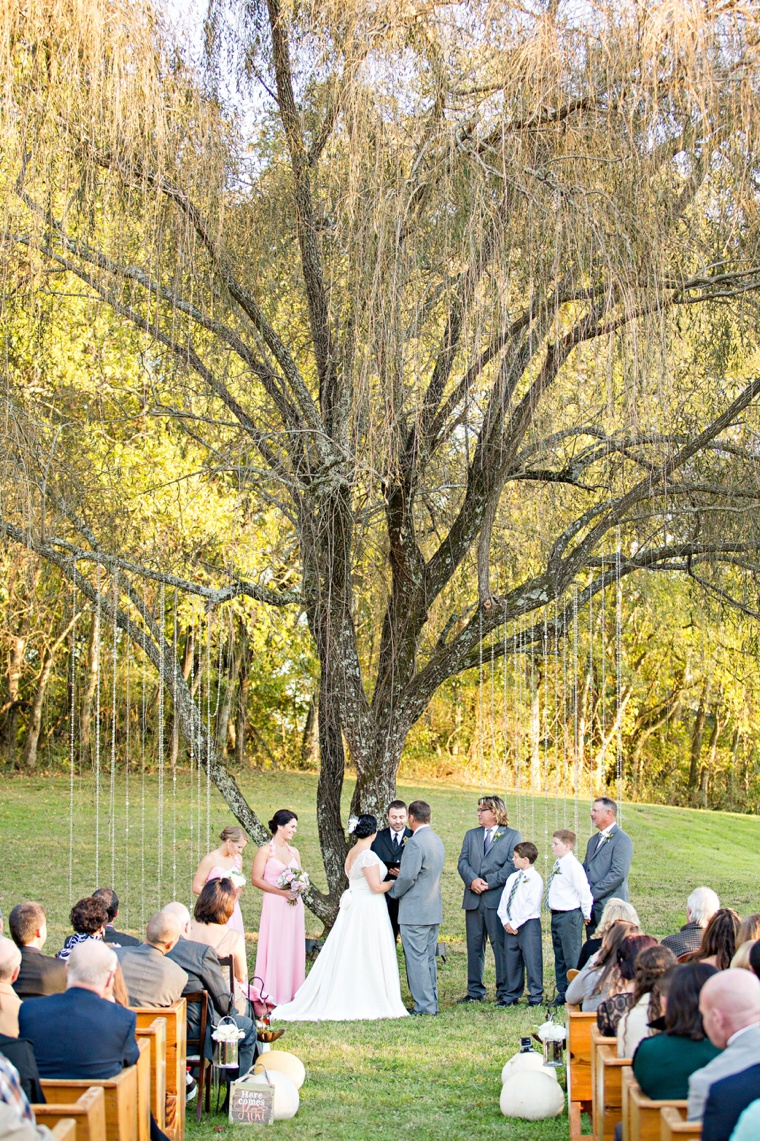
{"type": "Point", "coordinates": [109, 897]}
{"type": "Point", "coordinates": [748, 1126]}
{"type": "Point", "coordinates": [749, 929]}
{"type": "Point", "coordinates": [730, 1008]}
{"type": "Point", "coordinates": [18, 1051]}
{"type": "Point", "coordinates": [663, 1063]}
{"type": "Point", "coordinates": [82, 1033]}
{"type": "Point", "coordinates": [600, 978]}
{"type": "Point", "coordinates": [727, 1100]}
{"type": "Point", "coordinates": [719, 940]}
{"type": "Point", "coordinates": [17, 1121]}
{"type": "Point", "coordinates": [614, 910]}
{"type": "Point", "coordinates": [651, 964]}
{"type": "Point", "coordinates": [39, 974]}
{"type": "Point", "coordinates": [741, 960]}
{"type": "Point", "coordinates": [754, 957]}
{"type": "Point", "coordinates": [10, 962]}
{"type": "Point", "coordinates": [150, 977]}
{"type": "Point", "coordinates": [213, 908]}
{"type": "Point", "coordinates": [609, 1012]}
{"type": "Point", "coordinates": [88, 918]}
{"type": "Point", "coordinates": [204, 972]}
{"type": "Point", "coordinates": [700, 908]}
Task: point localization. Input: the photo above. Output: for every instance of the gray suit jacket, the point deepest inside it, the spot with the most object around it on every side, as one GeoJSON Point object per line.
{"type": "Point", "coordinates": [607, 867]}
{"type": "Point", "coordinates": [151, 978]}
{"type": "Point", "coordinates": [495, 868]}
{"type": "Point", "coordinates": [740, 1055]}
{"type": "Point", "coordinates": [204, 972]}
{"type": "Point", "coordinates": [418, 887]}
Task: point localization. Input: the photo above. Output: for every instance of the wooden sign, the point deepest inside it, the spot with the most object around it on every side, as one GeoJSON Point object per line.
{"type": "Point", "coordinates": [251, 1104]}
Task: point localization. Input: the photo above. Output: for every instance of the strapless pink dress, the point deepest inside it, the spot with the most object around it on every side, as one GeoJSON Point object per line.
{"type": "Point", "coordinates": [219, 873]}
{"type": "Point", "coordinates": [281, 953]}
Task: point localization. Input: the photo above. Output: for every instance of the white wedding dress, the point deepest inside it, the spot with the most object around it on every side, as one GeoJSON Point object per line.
{"type": "Point", "coordinates": [356, 973]}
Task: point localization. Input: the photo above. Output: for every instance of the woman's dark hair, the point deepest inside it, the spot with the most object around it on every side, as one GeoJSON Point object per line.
{"type": "Point", "coordinates": [631, 946]}
{"type": "Point", "coordinates": [89, 915]}
{"type": "Point", "coordinates": [606, 962]}
{"type": "Point", "coordinates": [684, 982]}
{"type": "Point", "coordinates": [216, 902]}
{"type": "Point", "coordinates": [281, 817]}
{"type": "Point", "coordinates": [719, 938]}
{"type": "Point", "coordinates": [367, 826]}
{"type": "Point", "coordinates": [651, 964]}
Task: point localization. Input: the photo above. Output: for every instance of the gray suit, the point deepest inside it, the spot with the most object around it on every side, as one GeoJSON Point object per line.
{"type": "Point", "coordinates": [606, 869]}
{"type": "Point", "coordinates": [481, 921]}
{"type": "Point", "coordinates": [420, 912]}
{"type": "Point", "coordinates": [739, 1056]}
{"type": "Point", "coordinates": [150, 978]}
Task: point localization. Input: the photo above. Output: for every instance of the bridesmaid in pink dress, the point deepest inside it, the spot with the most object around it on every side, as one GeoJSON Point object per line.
{"type": "Point", "coordinates": [228, 857]}
{"type": "Point", "coordinates": [281, 953]}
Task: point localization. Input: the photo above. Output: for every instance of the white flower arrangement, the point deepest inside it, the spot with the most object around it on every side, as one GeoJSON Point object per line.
{"type": "Point", "coordinates": [237, 878]}
{"type": "Point", "coordinates": [227, 1032]}
{"type": "Point", "coordinates": [552, 1032]}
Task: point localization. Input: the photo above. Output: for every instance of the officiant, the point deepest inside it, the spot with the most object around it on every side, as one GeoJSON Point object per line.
{"type": "Point", "coordinates": [389, 846]}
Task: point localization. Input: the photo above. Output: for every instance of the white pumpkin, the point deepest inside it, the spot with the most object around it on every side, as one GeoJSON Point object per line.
{"type": "Point", "coordinates": [531, 1095]}
{"type": "Point", "coordinates": [286, 1096]}
{"type": "Point", "coordinates": [530, 1060]}
{"type": "Point", "coordinates": [283, 1061]}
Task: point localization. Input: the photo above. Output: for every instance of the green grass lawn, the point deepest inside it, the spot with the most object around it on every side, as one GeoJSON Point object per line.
{"type": "Point", "coordinates": [438, 1078]}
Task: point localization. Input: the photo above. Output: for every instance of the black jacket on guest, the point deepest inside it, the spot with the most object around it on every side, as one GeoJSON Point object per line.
{"type": "Point", "coordinates": [726, 1102]}
{"type": "Point", "coordinates": [77, 1034]}
{"type": "Point", "coordinates": [39, 974]}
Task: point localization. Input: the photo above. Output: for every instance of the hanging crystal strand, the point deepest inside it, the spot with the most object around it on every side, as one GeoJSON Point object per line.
{"type": "Point", "coordinates": [143, 735]}
{"type": "Point", "coordinates": [114, 674]}
{"type": "Point", "coordinates": [519, 715]}
{"type": "Point", "coordinates": [161, 713]}
{"type": "Point", "coordinates": [534, 729]}
{"type": "Point", "coordinates": [493, 720]}
{"type": "Point", "coordinates": [590, 692]}
{"type": "Point", "coordinates": [97, 726]}
{"type": "Point", "coordinates": [127, 742]}
{"type": "Point", "coordinates": [191, 743]}
{"type": "Point", "coordinates": [619, 673]}
{"type": "Point", "coordinates": [198, 710]}
{"type": "Point", "coordinates": [576, 719]}
{"type": "Point", "coordinates": [505, 719]}
{"type": "Point", "coordinates": [603, 684]}
{"type": "Point", "coordinates": [545, 738]}
{"type": "Point", "coordinates": [565, 712]}
{"type": "Point", "coordinates": [174, 747]}
{"type": "Point", "coordinates": [72, 730]}
{"type": "Point", "coordinates": [480, 698]}
{"type": "Point", "coordinates": [208, 731]}
{"type": "Point", "coordinates": [557, 724]}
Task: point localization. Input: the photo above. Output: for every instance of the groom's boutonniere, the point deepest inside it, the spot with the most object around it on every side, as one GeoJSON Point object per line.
{"type": "Point", "coordinates": [498, 835]}
{"type": "Point", "coordinates": [404, 840]}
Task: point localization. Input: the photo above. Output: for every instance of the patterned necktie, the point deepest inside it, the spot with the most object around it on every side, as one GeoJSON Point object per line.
{"type": "Point", "coordinates": [512, 894]}
{"type": "Point", "coordinates": [396, 840]}
{"type": "Point", "coordinates": [555, 872]}
{"type": "Point", "coordinates": [487, 842]}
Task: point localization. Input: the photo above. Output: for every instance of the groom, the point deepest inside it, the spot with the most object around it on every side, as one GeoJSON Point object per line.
{"type": "Point", "coordinates": [418, 888]}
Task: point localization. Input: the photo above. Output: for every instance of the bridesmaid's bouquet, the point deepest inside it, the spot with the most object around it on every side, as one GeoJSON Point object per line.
{"type": "Point", "coordinates": [237, 878]}
{"type": "Point", "coordinates": [295, 880]}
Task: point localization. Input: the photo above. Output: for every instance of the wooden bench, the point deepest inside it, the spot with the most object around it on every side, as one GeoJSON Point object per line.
{"type": "Point", "coordinates": [155, 1034]}
{"type": "Point", "coordinates": [675, 1127]}
{"type": "Point", "coordinates": [608, 1094]}
{"type": "Point", "coordinates": [580, 1091]}
{"type": "Point", "coordinates": [176, 1068]}
{"type": "Point", "coordinates": [88, 1113]}
{"type": "Point", "coordinates": [65, 1130]}
{"type": "Point", "coordinates": [120, 1092]}
{"type": "Point", "coordinates": [597, 1040]}
{"type": "Point", "coordinates": [641, 1115]}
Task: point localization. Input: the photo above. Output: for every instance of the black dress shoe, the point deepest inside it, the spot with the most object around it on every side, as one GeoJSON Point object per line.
{"type": "Point", "coordinates": [469, 998]}
{"type": "Point", "coordinates": [507, 1002]}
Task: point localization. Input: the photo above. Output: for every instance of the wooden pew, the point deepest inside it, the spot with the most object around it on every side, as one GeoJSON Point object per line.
{"type": "Point", "coordinates": [675, 1127]}
{"type": "Point", "coordinates": [65, 1130]}
{"type": "Point", "coordinates": [608, 1094]}
{"type": "Point", "coordinates": [120, 1101]}
{"type": "Point", "coordinates": [641, 1115]}
{"type": "Point", "coordinates": [143, 1090]}
{"type": "Point", "coordinates": [156, 1038]}
{"type": "Point", "coordinates": [597, 1040]}
{"type": "Point", "coordinates": [176, 1053]}
{"type": "Point", "coordinates": [579, 1089]}
{"type": "Point", "coordinates": [88, 1113]}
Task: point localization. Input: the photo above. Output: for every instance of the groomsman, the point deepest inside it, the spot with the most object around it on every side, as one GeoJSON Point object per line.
{"type": "Point", "coordinates": [389, 846]}
{"type": "Point", "coordinates": [485, 865]}
{"type": "Point", "coordinates": [608, 858]}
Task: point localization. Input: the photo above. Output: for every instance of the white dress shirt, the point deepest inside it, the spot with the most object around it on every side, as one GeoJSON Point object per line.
{"type": "Point", "coordinates": [569, 889]}
{"type": "Point", "coordinates": [397, 836]}
{"type": "Point", "coordinates": [526, 903]}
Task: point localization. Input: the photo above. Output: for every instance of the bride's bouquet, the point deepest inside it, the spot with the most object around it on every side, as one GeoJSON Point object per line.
{"type": "Point", "coordinates": [295, 880]}
{"type": "Point", "coordinates": [236, 878]}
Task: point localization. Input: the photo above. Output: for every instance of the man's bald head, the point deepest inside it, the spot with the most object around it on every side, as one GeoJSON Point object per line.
{"type": "Point", "coordinates": [728, 1002]}
{"type": "Point", "coordinates": [10, 960]}
{"type": "Point", "coordinates": [181, 913]}
{"type": "Point", "coordinates": [163, 931]}
{"type": "Point", "coordinates": [92, 965]}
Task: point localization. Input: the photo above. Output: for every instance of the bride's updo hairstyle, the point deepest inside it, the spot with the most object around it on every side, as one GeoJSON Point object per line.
{"type": "Point", "coordinates": [366, 826]}
{"type": "Point", "coordinates": [282, 817]}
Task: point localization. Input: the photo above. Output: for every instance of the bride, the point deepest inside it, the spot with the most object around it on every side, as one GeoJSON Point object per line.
{"type": "Point", "coordinates": [356, 973]}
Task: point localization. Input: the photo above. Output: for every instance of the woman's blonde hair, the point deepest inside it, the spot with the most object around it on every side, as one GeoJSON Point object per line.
{"type": "Point", "coordinates": [497, 806]}
{"type": "Point", "coordinates": [232, 832]}
{"type": "Point", "coordinates": [614, 910]}
{"type": "Point", "coordinates": [741, 955]}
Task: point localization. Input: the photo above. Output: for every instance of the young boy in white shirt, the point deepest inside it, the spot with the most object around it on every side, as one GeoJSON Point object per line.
{"type": "Point", "coordinates": [520, 914]}
{"type": "Point", "coordinates": [569, 899]}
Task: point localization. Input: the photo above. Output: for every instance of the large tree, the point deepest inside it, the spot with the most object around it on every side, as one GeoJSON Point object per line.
{"type": "Point", "coordinates": [465, 293]}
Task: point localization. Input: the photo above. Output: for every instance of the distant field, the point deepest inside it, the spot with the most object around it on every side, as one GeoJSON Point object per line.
{"type": "Point", "coordinates": [438, 1078]}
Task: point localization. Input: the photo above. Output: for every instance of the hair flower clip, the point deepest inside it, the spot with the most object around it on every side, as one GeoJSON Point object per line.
{"type": "Point", "coordinates": [352, 822]}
